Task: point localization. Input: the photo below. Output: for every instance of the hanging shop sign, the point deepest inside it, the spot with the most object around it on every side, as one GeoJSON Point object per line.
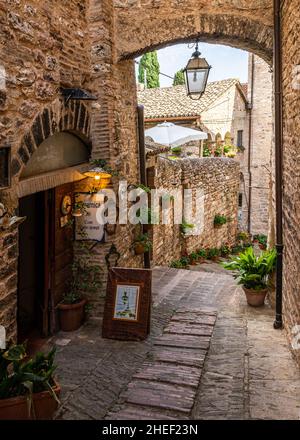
{"type": "Point", "coordinates": [128, 304]}
{"type": "Point", "coordinates": [87, 226]}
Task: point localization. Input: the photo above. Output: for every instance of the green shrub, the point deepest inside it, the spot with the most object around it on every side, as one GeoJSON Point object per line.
{"type": "Point", "coordinates": [202, 253]}
{"type": "Point", "coordinates": [253, 271]}
{"type": "Point", "coordinates": [213, 253]}
{"type": "Point", "coordinates": [220, 220]}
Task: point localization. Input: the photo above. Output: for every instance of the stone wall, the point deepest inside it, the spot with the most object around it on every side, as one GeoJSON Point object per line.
{"type": "Point", "coordinates": [144, 25]}
{"type": "Point", "coordinates": [218, 178]}
{"type": "Point", "coordinates": [261, 145]}
{"type": "Point", "coordinates": [291, 118]}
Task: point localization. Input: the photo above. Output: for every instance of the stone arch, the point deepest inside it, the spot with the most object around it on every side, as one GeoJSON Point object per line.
{"type": "Point", "coordinates": [240, 32]}
{"type": "Point", "coordinates": [73, 117]}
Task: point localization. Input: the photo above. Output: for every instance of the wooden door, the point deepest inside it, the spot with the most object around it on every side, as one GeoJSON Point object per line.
{"type": "Point", "coordinates": [61, 244]}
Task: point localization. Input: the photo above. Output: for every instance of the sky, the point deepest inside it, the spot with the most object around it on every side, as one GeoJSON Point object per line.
{"type": "Point", "coordinates": [226, 62]}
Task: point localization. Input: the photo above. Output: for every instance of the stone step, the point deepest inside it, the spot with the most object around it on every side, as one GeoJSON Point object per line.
{"type": "Point", "coordinates": [188, 357]}
{"type": "Point", "coordinates": [184, 341]}
{"type": "Point", "coordinates": [170, 373]}
{"type": "Point", "coordinates": [160, 395]}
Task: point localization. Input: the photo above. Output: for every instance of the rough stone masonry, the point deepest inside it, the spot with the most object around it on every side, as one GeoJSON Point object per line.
{"type": "Point", "coordinates": [90, 44]}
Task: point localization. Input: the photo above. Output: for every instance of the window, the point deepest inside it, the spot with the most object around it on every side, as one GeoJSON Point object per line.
{"type": "Point", "coordinates": [240, 200]}
{"type": "Point", "coordinates": [4, 167]}
{"type": "Point", "coordinates": [240, 134]}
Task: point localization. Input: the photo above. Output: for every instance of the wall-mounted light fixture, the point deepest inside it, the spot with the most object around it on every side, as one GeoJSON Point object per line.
{"type": "Point", "coordinates": [77, 94]}
{"type": "Point", "coordinates": [101, 177]}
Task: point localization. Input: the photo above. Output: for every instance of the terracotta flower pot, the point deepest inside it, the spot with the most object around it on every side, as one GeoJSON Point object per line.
{"type": "Point", "coordinates": [255, 298]}
{"type": "Point", "coordinates": [71, 316]}
{"type": "Point", "coordinates": [16, 408]}
{"type": "Point", "coordinates": [139, 248]}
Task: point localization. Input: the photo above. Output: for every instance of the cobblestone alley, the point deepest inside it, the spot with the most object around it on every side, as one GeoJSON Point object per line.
{"type": "Point", "coordinates": [209, 356]}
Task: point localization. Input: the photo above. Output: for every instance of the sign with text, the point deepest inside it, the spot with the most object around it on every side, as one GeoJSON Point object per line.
{"type": "Point", "coordinates": [87, 225]}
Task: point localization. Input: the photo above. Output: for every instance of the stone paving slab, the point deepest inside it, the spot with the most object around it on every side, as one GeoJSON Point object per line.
{"type": "Point", "coordinates": [184, 341]}
{"type": "Point", "coordinates": [165, 381]}
{"type": "Point", "coordinates": [247, 373]}
{"type": "Point", "coordinates": [160, 395]}
{"type": "Point", "coordinates": [193, 358]}
{"type": "Point", "coordinates": [169, 373]}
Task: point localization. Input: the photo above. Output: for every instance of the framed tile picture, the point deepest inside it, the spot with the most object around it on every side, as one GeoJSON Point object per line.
{"type": "Point", "coordinates": [127, 309]}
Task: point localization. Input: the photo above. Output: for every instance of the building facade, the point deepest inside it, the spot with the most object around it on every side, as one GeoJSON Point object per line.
{"type": "Point", "coordinates": [91, 45]}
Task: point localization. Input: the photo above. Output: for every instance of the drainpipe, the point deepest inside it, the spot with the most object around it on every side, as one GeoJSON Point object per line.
{"type": "Point", "coordinates": [250, 107]}
{"type": "Point", "coordinates": [278, 158]}
{"type": "Point", "coordinates": [143, 172]}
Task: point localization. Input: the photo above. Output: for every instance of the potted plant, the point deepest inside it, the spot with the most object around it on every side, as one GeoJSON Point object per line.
{"type": "Point", "coordinates": [213, 254]}
{"type": "Point", "coordinates": [185, 261]}
{"type": "Point", "coordinates": [262, 240]}
{"type": "Point", "coordinates": [225, 250]}
{"type": "Point", "coordinates": [142, 244]}
{"type": "Point", "coordinates": [28, 389]}
{"type": "Point", "coordinates": [193, 258]}
{"type": "Point", "coordinates": [219, 220]}
{"type": "Point", "coordinates": [86, 277]}
{"type": "Point", "coordinates": [202, 254]}
{"type": "Point", "coordinates": [253, 273]}
{"type": "Point", "coordinates": [78, 209]}
{"type": "Point", "coordinates": [177, 151]}
{"type": "Point", "coordinates": [71, 311]}
{"type": "Point", "coordinates": [176, 264]}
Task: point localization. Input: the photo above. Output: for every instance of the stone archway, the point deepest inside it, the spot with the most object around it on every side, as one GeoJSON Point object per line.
{"type": "Point", "coordinates": [58, 117]}
{"type": "Point", "coordinates": [242, 24]}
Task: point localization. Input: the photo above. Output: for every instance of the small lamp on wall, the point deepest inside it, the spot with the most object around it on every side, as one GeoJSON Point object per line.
{"type": "Point", "coordinates": [101, 177]}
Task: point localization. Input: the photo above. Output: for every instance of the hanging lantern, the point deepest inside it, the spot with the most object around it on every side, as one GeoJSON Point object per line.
{"type": "Point", "coordinates": [196, 75]}
{"type": "Point", "coordinates": [102, 178]}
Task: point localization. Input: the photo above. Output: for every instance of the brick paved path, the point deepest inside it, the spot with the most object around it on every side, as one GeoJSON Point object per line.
{"type": "Point", "coordinates": [248, 372]}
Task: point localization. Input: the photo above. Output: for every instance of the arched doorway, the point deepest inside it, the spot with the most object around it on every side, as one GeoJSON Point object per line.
{"type": "Point", "coordinates": [46, 187]}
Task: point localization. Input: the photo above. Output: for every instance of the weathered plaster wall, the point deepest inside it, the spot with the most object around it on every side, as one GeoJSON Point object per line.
{"type": "Point", "coordinates": [218, 178]}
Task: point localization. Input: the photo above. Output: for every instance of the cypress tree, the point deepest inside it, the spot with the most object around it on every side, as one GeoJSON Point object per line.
{"type": "Point", "coordinates": [179, 78]}
{"type": "Point", "coordinates": [149, 63]}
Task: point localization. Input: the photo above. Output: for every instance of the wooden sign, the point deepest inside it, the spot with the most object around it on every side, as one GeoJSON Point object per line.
{"type": "Point", "coordinates": [87, 225]}
{"type": "Point", "coordinates": [128, 304]}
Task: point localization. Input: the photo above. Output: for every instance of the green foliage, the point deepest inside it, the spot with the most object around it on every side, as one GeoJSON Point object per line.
{"type": "Point", "coordinates": [145, 240]}
{"type": "Point", "coordinates": [86, 276]}
{"type": "Point", "coordinates": [225, 250]}
{"type": "Point", "coordinates": [194, 256]}
{"type": "Point", "coordinates": [179, 78]}
{"type": "Point", "coordinates": [176, 264]}
{"type": "Point", "coordinates": [253, 271]}
{"type": "Point", "coordinates": [262, 239]}
{"type": "Point", "coordinates": [213, 253]}
{"type": "Point", "coordinates": [102, 163]}
{"type": "Point", "coordinates": [149, 64]}
{"type": "Point", "coordinates": [184, 260]}
{"type": "Point", "coordinates": [202, 253]}
{"type": "Point", "coordinates": [186, 227]}
{"type": "Point", "coordinates": [177, 150]}
{"type": "Point", "coordinates": [21, 377]}
{"type": "Point", "coordinates": [243, 236]}
{"type": "Point", "coordinates": [220, 220]}
{"type": "Point", "coordinates": [218, 151]}
{"type": "Point", "coordinates": [206, 152]}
